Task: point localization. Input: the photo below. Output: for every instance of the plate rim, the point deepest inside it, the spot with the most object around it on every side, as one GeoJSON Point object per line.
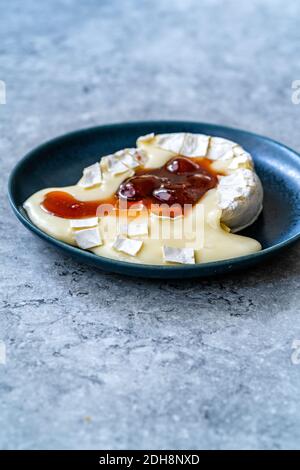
{"type": "Point", "coordinates": [102, 260]}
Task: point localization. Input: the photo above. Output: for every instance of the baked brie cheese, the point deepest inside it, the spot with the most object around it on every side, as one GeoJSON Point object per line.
{"type": "Point", "coordinates": [173, 199]}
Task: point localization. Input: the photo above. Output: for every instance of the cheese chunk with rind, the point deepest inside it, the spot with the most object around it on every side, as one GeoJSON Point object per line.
{"type": "Point", "coordinates": [88, 238]}
{"type": "Point", "coordinates": [92, 176]}
{"type": "Point", "coordinates": [127, 245]}
{"type": "Point", "coordinates": [179, 255]}
{"type": "Point", "coordinates": [184, 143]}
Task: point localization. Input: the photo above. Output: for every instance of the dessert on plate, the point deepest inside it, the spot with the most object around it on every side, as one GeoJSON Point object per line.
{"type": "Point", "coordinates": [175, 198]}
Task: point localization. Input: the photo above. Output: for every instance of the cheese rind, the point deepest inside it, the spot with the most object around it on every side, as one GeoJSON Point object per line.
{"type": "Point", "coordinates": [115, 165]}
{"type": "Point", "coordinates": [129, 158]}
{"type": "Point", "coordinates": [127, 246]}
{"type": "Point", "coordinates": [170, 142]}
{"type": "Point", "coordinates": [194, 145]}
{"type": "Point", "coordinates": [241, 159]}
{"type": "Point", "coordinates": [240, 197]}
{"type": "Point", "coordinates": [92, 176]}
{"type": "Point", "coordinates": [88, 238]}
{"type": "Point", "coordinates": [220, 149]}
{"type": "Point", "coordinates": [184, 143]}
{"type": "Point", "coordinates": [234, 187]}
{"type": "Point", "coordinates": [179, 255]}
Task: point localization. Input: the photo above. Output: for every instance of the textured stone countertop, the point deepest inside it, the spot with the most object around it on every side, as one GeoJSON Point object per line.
{"type": "Point", "coordinates": [96, 360]}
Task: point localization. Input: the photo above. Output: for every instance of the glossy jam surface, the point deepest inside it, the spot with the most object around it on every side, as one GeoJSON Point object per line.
{"type": "Point", "coordinates": [180, 181]}
{"type": "Point", "coordinates": [64, 205]}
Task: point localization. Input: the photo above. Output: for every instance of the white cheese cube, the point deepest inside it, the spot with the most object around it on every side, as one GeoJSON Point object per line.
{"type": "Point", "coordinates": [179, 255]}
{"type": "Point", "coordinates": [91, 176]}
{"type": "Point", "coordinates": [126, 245]}
{"type": "Point", "coordinates": [88, 238]}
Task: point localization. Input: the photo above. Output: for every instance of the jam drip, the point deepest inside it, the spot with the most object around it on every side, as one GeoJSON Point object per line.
{"type": "Point", "coordinates": [64, 205]}
{"type": "Point", "coordinates": [180, 181]}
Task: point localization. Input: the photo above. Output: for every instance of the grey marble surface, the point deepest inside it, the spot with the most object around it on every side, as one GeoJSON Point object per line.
{"type": "Point", "coordinates": [96, 360]}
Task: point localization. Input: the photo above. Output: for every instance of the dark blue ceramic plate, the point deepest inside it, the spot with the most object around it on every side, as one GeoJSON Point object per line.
{"type": "Point", "coordinates": [60, 163]}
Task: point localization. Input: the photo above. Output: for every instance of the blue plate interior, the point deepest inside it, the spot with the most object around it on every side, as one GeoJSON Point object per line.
{"type": "Point", "coordinates": [60, 163]}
